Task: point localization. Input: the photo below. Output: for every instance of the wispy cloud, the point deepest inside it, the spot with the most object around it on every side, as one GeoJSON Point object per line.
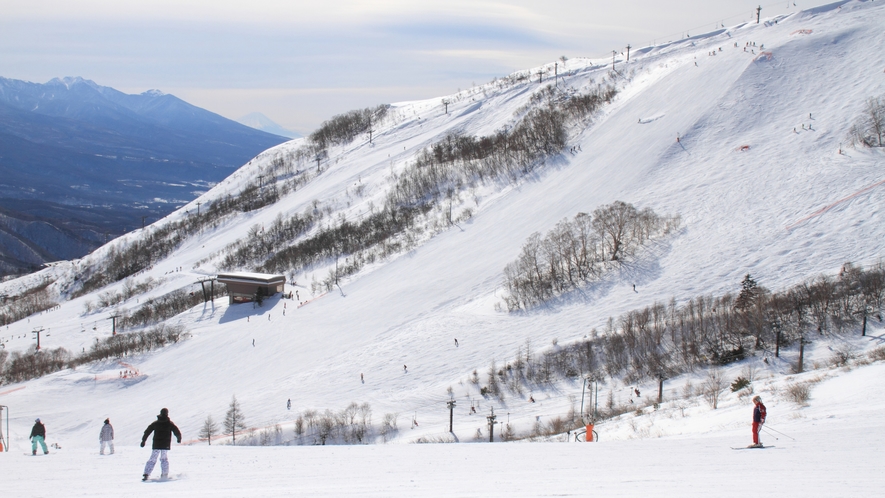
{"type": "Point", "coordinates": [330, 54]}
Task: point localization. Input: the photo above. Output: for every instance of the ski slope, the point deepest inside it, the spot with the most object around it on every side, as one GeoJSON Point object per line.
{"type": "Point", "coordinates": [754, 195]}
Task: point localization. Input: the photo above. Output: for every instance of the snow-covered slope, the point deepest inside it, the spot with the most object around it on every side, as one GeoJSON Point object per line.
{"type": "Point", "coordinates": [760, 126]}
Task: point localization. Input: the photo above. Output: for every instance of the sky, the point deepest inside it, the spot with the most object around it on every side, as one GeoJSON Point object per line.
{"type": "Point", "coordinates": [300, 62]}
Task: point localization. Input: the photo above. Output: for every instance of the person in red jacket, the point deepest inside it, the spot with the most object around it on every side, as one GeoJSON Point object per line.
{"type": "Point", "coordinates": [758, 420]}
{"type": "Point", "coordinates": [163, 428]}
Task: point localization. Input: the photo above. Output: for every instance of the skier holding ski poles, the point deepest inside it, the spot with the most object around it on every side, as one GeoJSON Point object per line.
{"type": "Point", "coordinates": [758, 420]}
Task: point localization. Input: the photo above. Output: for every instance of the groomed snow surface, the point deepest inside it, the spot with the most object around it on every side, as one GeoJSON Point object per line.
{"type": "Point", "coordinates": [762, 177]}
{"type": "Point", "coordinates": [831, 448]}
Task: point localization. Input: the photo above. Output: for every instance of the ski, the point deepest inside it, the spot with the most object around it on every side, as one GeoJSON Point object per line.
{"type": "Point", "coordinates": [752, 448]}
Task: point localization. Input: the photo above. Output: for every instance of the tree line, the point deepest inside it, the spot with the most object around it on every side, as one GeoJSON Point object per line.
{"type": "Point", "coordinates": [20, 366]}
{"type": "Point", "coordinates": [344, 128]}
{"type": "Point", "coordinates": [665, 340]}
{"type": "Point", "coordinates": [577, 251]}
{"type": "Point", "coordinates": [30, 301]}
{"type": "Point", "coordinates": [458, 161]}
{"type": "Point", "coordinates": [351, 425]}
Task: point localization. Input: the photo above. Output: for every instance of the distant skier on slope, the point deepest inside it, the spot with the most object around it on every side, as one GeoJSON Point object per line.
{"type": "Point", "coordinates": [758, 420]}
{"type": "Point", "coordinates": [106, 437]}
{"type": "Point", "coordinates": [38, 435]}
{"type": "Point", "coordinates": [163, 428]}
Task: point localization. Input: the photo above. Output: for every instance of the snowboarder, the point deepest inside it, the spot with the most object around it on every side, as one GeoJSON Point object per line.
{"type": "Point", "coordinates": [38, 435]}
{"type": "Point", "coordinates": [758, 420]}
{"type": "Point", "coordinates": [163, 428]}
{"type": "Point", "coordinates": [289, 404]}
{"type": "Point", "coordinates": [106, 437]}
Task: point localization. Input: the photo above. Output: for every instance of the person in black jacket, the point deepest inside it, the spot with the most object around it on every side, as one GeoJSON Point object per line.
{"type": "Point", "coordinates": [38, 434]}
{"type": "Point", "coordinates": [163, 429]}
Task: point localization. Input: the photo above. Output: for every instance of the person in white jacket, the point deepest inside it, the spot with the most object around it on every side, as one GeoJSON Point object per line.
{"type": "Point", "coordinates": [107, 436]}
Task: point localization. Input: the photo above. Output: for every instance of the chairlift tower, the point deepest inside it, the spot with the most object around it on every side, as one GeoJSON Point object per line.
{"type": "Point", "coordinates": [491, 418]}
{"type": "Point", "coordinates": [36, 333]}
{"type": "Point", "coordinates": [113, 319]}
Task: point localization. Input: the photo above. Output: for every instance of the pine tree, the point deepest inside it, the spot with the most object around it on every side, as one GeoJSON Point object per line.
{"type": "Point", "coordinates": [210, 428]}
{"type": "Point", "coordinates": [749, 291]}
{"type": "Point", "coordinates": [234, 419]}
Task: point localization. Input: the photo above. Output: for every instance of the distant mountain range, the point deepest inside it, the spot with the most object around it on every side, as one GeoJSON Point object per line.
{"type": "Point", "coordinates": [81, 163]}
{"type": "Point", "coordinates": [261, 122]}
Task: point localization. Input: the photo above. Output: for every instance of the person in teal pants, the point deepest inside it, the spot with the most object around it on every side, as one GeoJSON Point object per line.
{"type": "Point", "coordinates": [38, 434]}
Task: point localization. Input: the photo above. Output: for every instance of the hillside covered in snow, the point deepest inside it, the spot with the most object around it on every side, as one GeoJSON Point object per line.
{"type": "Point", "coordinates": [397, 229]}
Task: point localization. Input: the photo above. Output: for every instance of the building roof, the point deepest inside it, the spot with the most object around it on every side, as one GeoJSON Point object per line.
{"type": "Point", "coordinates": [244, 276]}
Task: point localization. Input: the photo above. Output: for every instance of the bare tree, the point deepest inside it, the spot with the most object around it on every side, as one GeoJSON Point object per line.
{"type": "Point", "coordinates": [713, 386]}
{"type": "Point", "coordinates": [234, 419]}
{"type": "Point", "coordinates": [210, 428]}
{"type": "Point", "coordinates": [613, 223]}
{"type": "Point", "coordinates": [870, 128]}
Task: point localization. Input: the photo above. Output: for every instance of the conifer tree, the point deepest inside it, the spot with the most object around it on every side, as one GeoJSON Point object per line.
{"type": "Point", "coordinates": [210, 428]}
{"type": "Point", "coordinates": [747, 297]}
{"type": "Point", "coordinates": [234, 419]}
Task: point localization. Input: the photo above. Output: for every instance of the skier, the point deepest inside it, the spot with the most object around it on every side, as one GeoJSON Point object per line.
{"type": "Point", "coordinates": [38, 435]}
{"type": "Point", "coordinates": [758, 420]}
{"type": "Point", "coordinates": [289, 404]}
{"type": "Point", "coordinates": [456, 343]}
{"type": "Point", "coordinates": [106, 437]}
{"type": "Point", "coordinates": [163, 428]}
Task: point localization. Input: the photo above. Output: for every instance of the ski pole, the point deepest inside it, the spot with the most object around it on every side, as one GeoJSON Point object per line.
{"type": "Point", "coordinates": [781, 433]}
{"type": "Point", "coordinates": [770, 434]}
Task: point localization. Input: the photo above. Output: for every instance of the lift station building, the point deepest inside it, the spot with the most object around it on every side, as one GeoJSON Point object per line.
{"type": "Point", "coordinates": [244, 287]}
